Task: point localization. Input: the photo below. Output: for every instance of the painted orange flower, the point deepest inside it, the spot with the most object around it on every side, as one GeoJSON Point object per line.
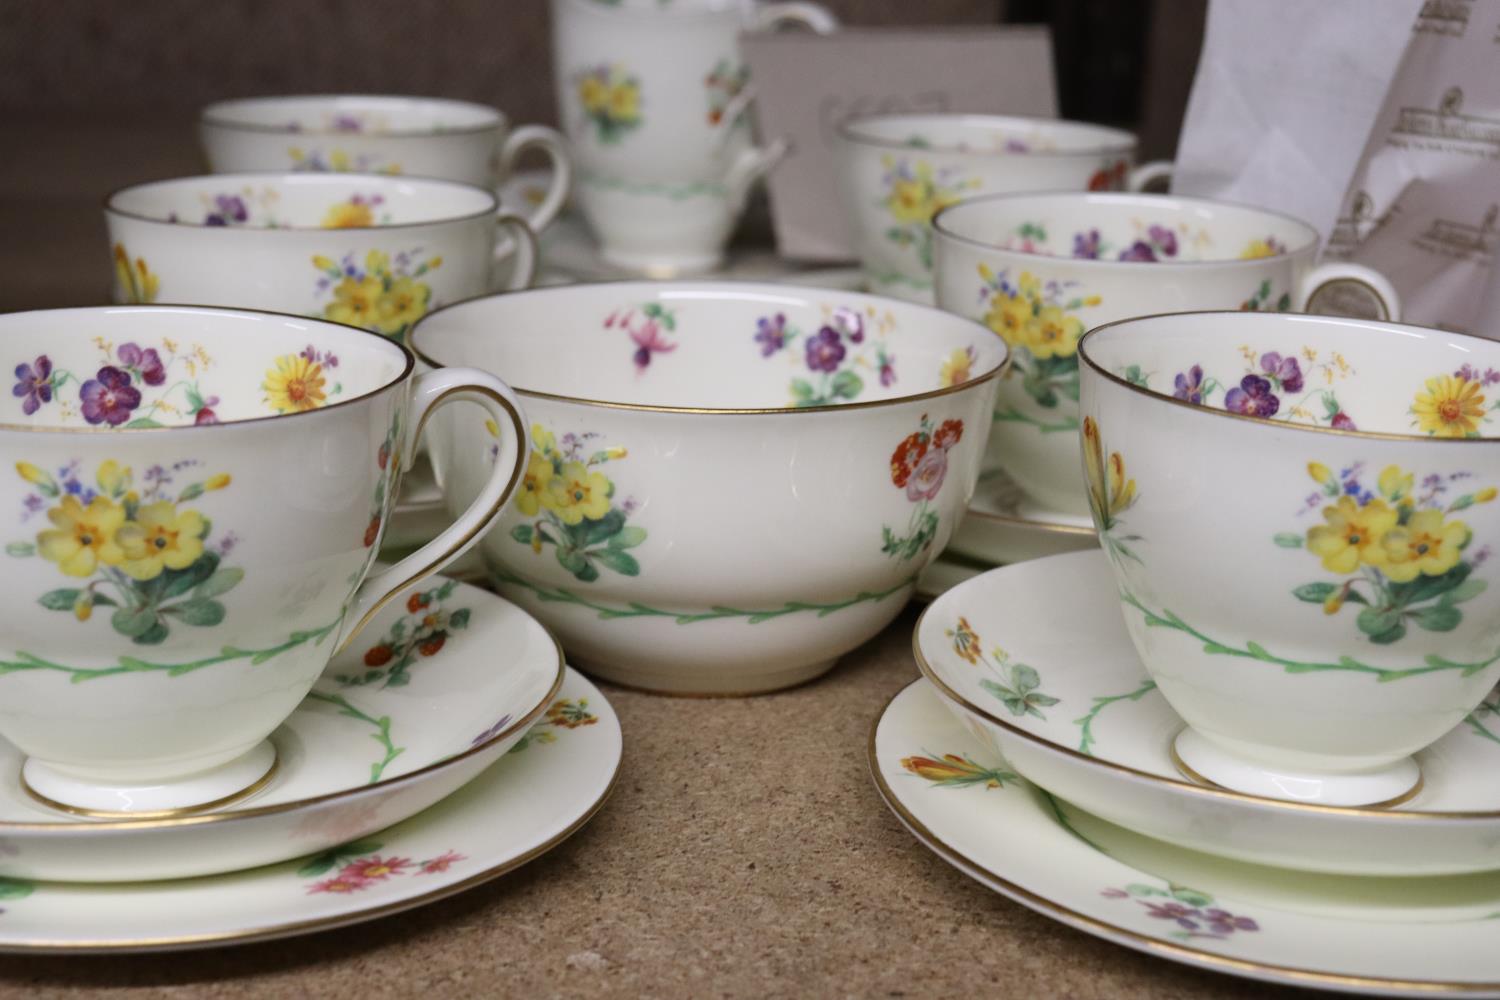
{"type": "Point", "coordinates": [965, 640]}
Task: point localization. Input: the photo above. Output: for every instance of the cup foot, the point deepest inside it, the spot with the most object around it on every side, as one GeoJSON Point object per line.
{"type": "Point", "coordinates": [1206, 763]}
{"type": "Point", "coordinates": [663, 265]}
{"type": "Point", "coordinates": [196, 793]}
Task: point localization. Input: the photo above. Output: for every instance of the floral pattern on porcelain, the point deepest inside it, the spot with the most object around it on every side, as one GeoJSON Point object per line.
{"type": "Point", "coordinates": [1039, 323]}
{"type": "Point", "coordinates": [1262, 301]}
{"type": "Point", "coordinates": [1269, 380]}
{"type": "Point", "coordinates": [915, 191]}
{"type": "Point", "coordinates": [15, 888]}
{"type": "Point", "coordinates": [381, 294]}
{"type": "Point", "coordinates": [723, 84]}
{"type": "Point", "coordinates": [1155, 243]}
{"type": "Point", "coordinates": [610, 97]}
{"type": "Point", "coordinates": [564, 714]}
{"type": "Point", "coordinates": [647, 326]}
{"type": "Point", "coordinates": [338, 161]}
{"type": "Point", "coordinates": [572, 506]}
{"type": "Point", "coordinates": [1110, 177]}
{"type": "Point", "coordinates": [134, 386]}
{"type": "Point", "coordinates": [846, 342]}
{"type": "Point", "coordinates": [1455, 406]}
{"type": "Point", "coordinates": [1190, 910]}
{"type": "Point", "coordinates": [920, 465]}
{"type": "Point", "coordinates": [135, 282]}
{"type": "Point", "coordinates": [1398, 554]}
{"type": "Point", "coordinates": [360, 866]}
{"type": "Point", "coordinates": [416, 636]}
{"type": "Point", "coordinates": [1270, 246]}
{"type": "Point", "coordinates": [358, 211]}
{"type": "Point", "coordinates": [1014, 684]}
{"type": "Point", "coordinates": [1111, 492]}
{"type": "Point", "coordinates": [951, 770]}
{"type": "Point", "coordinates": [132, 547]}
{"type": "Point", "coordinates": [297, 383]}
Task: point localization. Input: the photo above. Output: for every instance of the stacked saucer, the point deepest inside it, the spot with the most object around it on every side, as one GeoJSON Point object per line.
{"type": "Point", "coordinates": [385, 796]}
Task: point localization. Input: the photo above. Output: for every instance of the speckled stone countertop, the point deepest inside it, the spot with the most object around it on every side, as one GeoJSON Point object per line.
{"type": "Point", "coordinates": [745, 852]}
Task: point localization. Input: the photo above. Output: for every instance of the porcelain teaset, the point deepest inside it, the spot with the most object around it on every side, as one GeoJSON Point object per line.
{"type": "Point", "coordinates": [1233, 700]}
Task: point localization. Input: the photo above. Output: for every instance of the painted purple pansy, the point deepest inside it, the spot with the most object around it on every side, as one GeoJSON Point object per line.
{"type": "Point", "coordinates": [849, 323]}
{"type": "Point", "coordinates": [146, 362]}
{"type": "Point", "coordinates": [1163, 239]}
{"type": "Point", "coordinates": [887, 369]}
{"type": "Point", "coordinates": [770, 334]}
{"type": "Point", "coordinates": [33, 384]}
{"type": "Point", "coordinates": [1284, 371]}
{"type": "Point", "coordinates": [1224, 922]}
{"type": "Point", "coordinates": [228, 210]}
{"type": "Point", "coordinates": [1140, 250]}
{"type": "Point", "coordinates": [825, 349]}
{"type": "Point", "coordinates": [1189, 385]}
{"type": "Point", "coordinates": [1252, 397]}
{"type": "Point", "coordinates": [1342, 422]}
{"type": "Point", "coordinates": [109, 397]}
{"type": "Point", "coordinates": [1086, 245]}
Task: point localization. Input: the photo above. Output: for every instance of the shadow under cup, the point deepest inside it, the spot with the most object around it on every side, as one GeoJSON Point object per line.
{"type": "Point", "coordinates": [1041, 269]}
{"type": "Point", "coordinates": [1300, 513]}
{"type": "Point", "coordinates": [195, 497]}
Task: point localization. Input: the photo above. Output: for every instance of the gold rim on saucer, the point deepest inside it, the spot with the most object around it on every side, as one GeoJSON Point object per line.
{"type": "Point", "coordinates": [192, 810]}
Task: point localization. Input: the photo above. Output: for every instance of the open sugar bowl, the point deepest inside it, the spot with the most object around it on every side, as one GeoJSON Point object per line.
{"type": "Point", "coordinates": [730, 485]}
{"type": "Point", "coordinates": [1299, 513]}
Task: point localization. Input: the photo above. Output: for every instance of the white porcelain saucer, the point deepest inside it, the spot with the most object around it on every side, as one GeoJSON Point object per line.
{"type": "Point", "coordinates": [1388, 936]}
{"type": "Point", "coordinates": [548, 785]}
{"type": "Point", "coordinates": [1035, 660]}
{"type": "Point", "coordinates": [1002, 527]}
{"type": "Point", "coordinates": [434, 690]}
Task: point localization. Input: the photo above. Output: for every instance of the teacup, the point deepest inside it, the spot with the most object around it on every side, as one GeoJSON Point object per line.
{"type": "Point", "coordinates": [730, 484]}
{"type": "Point", "coordinates": [197, 498]}
{"type": "Point", "coordinates": [654, 102]}
{"type": "Point", "coordinates": [373, 252]}
{"type": "Point", "coordinates": [899, 170]}
{"type": "Point", "coordinates": [412, 136]}
{"type": "Point", "coordinates": [1299, 514]}
{"type": "Point", "coordinates": [1040, 269]}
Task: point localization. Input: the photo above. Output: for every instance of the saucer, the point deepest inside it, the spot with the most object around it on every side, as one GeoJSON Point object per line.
{"type": "Point", "coordinates": [1035, 660]}
{"type": "Point", "coordinates": [1002, 526]}
{"type": "Point", "coordinates": [1396, 937]}
{"type": "Point", "coordinates": [542, 791]}
{"type": "Point", "coordinates": [436, 688]}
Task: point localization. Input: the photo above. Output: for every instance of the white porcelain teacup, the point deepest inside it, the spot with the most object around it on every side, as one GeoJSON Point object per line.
{"type": "Point", "coordinates": [370, 251]}
{"type": "Point", "coordinates": [1040, 269]}
{"type": "Point", "coordinates": [197, 496]}
{"type": "Point", "coordinates": [368, 134]}
{"type": "Point", "coordinates": [899, 170]}
{"type": "Point", "coordinates": [731, 484]}
{"type": "Point", "coordinates": [654, 102]}
{"type": "Point", "coordinates": [1299, 513]}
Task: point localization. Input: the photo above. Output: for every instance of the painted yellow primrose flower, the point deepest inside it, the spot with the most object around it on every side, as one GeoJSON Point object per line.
{"type": "Point", "coordinates": [352, 214]}
{"type": "Point", "coordinates": [355, 302]}
{"type": "Point", "coordinates": [625, 102]}
{"type": "Point", "coordinates": [1256, 249]}
{"type": "Point", "coordinates": [1009, 317]}
{"type": "Point", "coordinates": [593, 93]}
{"type": "Point", "coordinates": [1396, 486]}
{"type": "Point", "coordinates": [957, 367]}
{"type": "Point", "coordinates": [82, 537]}
{"type": "Point", "coordinates": [295, 385]}
{"type": "Point", "coordinates": [113, 480]}
{"type": "Point", "coordinates": [1055, 334]}
{"type": "Point", "coordinates": [1425, 545]}
{"type": "Point", "coordinates": [160, 538]}
{"type": "Point", "coordinates": [534, 489]}
{"type": "Point", "coordinates": [915, 198]}
{"type": "Point", "coordinates": [401, 305]}
{"type": "Point", "coordinates": [1352, 535]}
{"type": "Point", "coordinates": [1452, 406]}
{"type": "Point", "coordinates": [578, 493]}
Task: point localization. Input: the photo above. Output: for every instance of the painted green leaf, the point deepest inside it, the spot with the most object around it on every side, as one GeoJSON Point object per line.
{"type": "Point", "coordinates": [144, 422]}
{"type": "Point", "coordinates": [1287, 540]}
{"type": "Point", "coordinates": [133, 622]}
{"type": "Point", "coordinates": [1315, 593]}
{"type": "Point", "coordinates": [193, 492]}
{"type": "Point", "coordinates": [1426, 587]}
{"type": "Point", "coordinates": [105, 601]}
{"type": "Point", "coordinates": [458, 620]}
{"type": "Point", "coordinates": [152, 636]}
{"type": "Point", "coordinates": [15, 888]}
{"type": "Point", "coordinates": [20, 549]}
{"type": "Point", "coordinates": [846, 385]}
{"type": "Point", "coordinates": [61, 599]}
{"type": "Point", "coordinates": [1378, 621]}
{"type": "Point", "coordinates": [1192, 897]}
{"type": "Point", "coordinates": [221, 582]}
{"type": "Point", "coordinates": [176, 582]}
{"type": "Point", "coordinates": [1441, 617]}
{"type": "Point", "coordinates": [628, 537]}
{"type": "Point", "coordinates": [202, 613]}
{"type": "Point", "coordinates": [1466, 591]}
{"type": "Point", "coordinates": [521, 533]}
{"type": "Point", "coordinates": [1044, 700]}
{"type": "Point", "coordinates": [619, 560]}
{"type": "Point", "coordinates": [1284, 303]}
{"type": "Point", "coordinates": [801, 389]}
{"type": "Point", "coordinates": [1069, 388]}
{"type": "Point", "coordinates": [1025, 678]}
{"type": "Point", "coordinates": [589, 533]}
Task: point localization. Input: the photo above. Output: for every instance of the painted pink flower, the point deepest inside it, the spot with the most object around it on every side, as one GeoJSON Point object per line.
{"type": "Point", "coordinates": [649, 341]}
{"type": "Point", "coordinates": [442, 862]}
{"type": "Point", "coordinates": [340, 883]}
{"type": "Point", "coordinates": [374, 868]}
{"type": "Point", "coordinates": [927, 478]}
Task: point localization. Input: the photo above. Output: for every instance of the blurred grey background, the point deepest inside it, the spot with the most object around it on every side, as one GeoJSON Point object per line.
{"type": "Point", "coordinates": [97, 94]}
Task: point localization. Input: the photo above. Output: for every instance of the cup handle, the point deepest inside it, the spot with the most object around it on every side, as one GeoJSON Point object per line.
{"type": "Point", "coordinates": [813, 16]}
{"type": "Point", "coordinates": [551, 142]}
{"type": "Point", "coordinates": [430, 391]}
{"type": "Point", "coordinates": [750, 166]}
{"type": "Point", "coordinates": [523, 244]}
{"type": "Point", "coordinates": [1376, 283]}
{"type": "Point", "coordinates": [1148, 172]}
